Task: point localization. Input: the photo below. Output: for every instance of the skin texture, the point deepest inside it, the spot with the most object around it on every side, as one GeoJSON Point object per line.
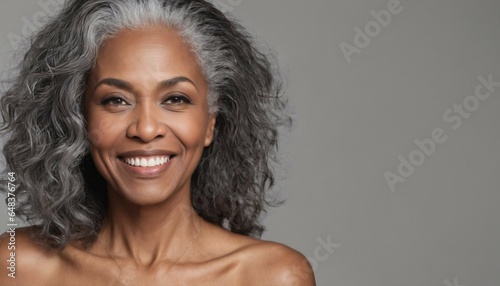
{"type": "Point", "coordinates": [152, 230]}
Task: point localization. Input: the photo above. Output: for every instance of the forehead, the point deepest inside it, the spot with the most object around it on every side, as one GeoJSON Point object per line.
{"type": "Point", "coordinates": [153, 52]}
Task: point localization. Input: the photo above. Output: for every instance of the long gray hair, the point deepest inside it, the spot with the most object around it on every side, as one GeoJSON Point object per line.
{"type": "Point", "coordinates": [60, 190]}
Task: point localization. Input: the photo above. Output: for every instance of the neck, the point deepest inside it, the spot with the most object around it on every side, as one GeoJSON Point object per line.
{"type": "Point", "coordinates": [150, 234]}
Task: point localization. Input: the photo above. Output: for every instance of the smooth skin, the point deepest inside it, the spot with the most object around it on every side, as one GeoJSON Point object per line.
{"type": "Point", "coordinates": [147, 92]}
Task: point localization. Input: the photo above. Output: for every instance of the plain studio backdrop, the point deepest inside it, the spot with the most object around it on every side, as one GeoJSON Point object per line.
{"type": "Point", "coordinates": [392, 167]}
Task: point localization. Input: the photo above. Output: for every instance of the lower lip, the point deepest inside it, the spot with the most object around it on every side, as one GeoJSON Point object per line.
{"type": "Point", "coordinates": [146, 171]}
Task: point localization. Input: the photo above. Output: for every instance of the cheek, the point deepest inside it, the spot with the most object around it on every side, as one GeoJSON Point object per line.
{"type": "Point", "coordinates": [190, 130]}
{"type": "Point", "coordinates": [101, 129]}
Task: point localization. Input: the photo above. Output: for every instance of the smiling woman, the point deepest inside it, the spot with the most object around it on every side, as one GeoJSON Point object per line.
{"type": "Point", "coordinates": [147, 82]}
{"type": "Point", "coordinates": [141, 133]}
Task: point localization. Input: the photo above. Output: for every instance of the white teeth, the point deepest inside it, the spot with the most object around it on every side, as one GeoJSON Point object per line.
{"type": "Point", "coordinates": [150, 162]}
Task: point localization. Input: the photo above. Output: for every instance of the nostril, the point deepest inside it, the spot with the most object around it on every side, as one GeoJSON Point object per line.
{"type": "Point", "coordinates": [146, 130]}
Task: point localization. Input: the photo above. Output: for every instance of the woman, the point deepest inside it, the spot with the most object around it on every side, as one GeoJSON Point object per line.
{"type": "Point", "coordinates": [141, 134]}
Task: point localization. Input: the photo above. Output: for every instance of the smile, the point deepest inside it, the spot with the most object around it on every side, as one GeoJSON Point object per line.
{"type": "Point", "coordinates": [150, 161]}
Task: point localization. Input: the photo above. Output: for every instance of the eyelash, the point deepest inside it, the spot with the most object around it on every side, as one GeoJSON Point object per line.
{"type": "Point", "coordinates": [107, 101]}
{"type": "Point", "coordinates": [176, 98]}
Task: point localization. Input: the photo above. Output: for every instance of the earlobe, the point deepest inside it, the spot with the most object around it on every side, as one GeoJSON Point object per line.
{"type": "Point", "coordinates": [210, 130]}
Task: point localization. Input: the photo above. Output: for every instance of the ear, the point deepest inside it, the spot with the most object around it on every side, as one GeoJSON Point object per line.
{"type": "Point", "coordinates": [209, 136]}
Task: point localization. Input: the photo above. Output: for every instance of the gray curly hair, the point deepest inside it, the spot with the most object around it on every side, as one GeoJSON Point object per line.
{"type": "Point", "coordinates": [61, 191]}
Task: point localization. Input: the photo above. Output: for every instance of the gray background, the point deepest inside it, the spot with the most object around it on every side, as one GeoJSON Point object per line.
{"type": "Point", "coordinates": [353, 120]}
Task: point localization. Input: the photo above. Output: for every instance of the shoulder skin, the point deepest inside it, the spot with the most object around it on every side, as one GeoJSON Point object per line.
{"type": "Point", "coordinates": [22, 261]}
{"type": "Point", "coordinates": [271, 263]}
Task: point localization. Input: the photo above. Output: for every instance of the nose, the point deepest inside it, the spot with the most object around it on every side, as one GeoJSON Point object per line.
{"type": "Point", "coordinates": [146, 124]}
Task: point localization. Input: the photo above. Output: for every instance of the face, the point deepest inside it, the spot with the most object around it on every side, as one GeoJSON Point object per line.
{"type": "Point", "coordinates": [146, 108]}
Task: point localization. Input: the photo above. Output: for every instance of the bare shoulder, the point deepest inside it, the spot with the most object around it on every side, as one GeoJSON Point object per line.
{"type": "Point", "coordinates": [22, 261]}
{"type": "Point", "coordinates": [277, 264]}
{"type": "Point", "coordinates": [265, 262]}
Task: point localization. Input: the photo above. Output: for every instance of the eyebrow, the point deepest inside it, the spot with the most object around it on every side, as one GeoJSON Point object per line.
{"type": "Point", "coordinates": [128, 87]}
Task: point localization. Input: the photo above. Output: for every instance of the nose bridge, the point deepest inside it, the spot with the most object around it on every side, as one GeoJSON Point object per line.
{"type": "Point", "coordinates": [147, 122]}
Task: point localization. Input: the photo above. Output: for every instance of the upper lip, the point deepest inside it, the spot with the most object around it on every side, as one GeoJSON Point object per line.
{"type": "Point", "coordinates": [138, 153]}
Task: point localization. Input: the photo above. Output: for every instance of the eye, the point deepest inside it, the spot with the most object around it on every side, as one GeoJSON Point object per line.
{"type": "Point", "coordinates": [113, 101]}
{"type": "Point", "coordinates": [177, 100]}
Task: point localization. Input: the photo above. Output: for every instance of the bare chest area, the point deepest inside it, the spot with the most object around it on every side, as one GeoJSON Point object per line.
{"type": "Point", "coordinates": [106, 272]}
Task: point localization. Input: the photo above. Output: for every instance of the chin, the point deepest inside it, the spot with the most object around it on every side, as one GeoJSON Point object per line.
{"type": "Point", "coordinates": [146, 196]}
{"type": "Point", "coordinates": [145, 201]}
